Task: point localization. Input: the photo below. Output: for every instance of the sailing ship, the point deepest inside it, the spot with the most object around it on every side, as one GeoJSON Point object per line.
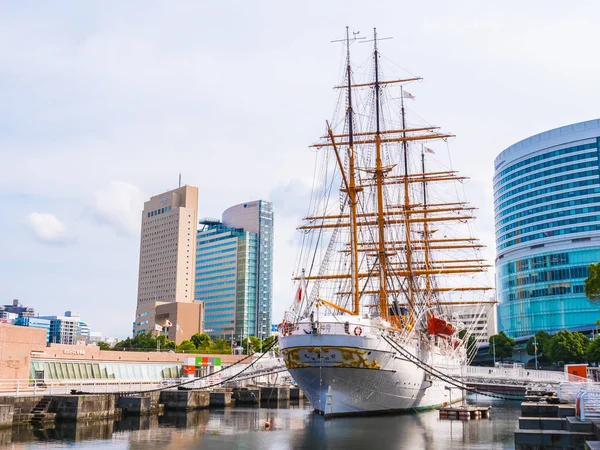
{"type": "Point", "coordinates": [389, 261]}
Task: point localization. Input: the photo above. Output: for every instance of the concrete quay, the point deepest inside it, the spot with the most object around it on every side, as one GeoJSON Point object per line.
{"type": "Point", "coordinates": [44, 409]}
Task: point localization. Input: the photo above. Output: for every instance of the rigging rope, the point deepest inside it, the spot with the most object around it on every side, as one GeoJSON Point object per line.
{"type": "Point", "coordinates": [445, 377]}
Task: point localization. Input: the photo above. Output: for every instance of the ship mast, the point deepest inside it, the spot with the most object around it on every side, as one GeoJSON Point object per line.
{"type": "Point", "coordinates": [419, 250]}
{"type": "Point", "coordinates": [407, 207]}
{"type": "Point", "coordinates": [352, 190]}
{"type": "Point", "coordinates": [379, 173]}
{"type": "Point", "coordinates": [425, 229]}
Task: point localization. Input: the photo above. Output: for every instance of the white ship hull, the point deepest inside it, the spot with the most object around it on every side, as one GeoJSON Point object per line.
{"type": "Point", "coordinates": [344, 374]}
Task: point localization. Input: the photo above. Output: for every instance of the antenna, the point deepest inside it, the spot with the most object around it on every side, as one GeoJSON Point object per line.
{"type": "Point", "coordinates": [179, 180]}
{"type": "Point", "coordinates": [347, 40]}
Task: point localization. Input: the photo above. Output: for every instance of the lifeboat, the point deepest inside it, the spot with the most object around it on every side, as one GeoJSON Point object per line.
{"type": "Point", "coordinates": [440, 327]}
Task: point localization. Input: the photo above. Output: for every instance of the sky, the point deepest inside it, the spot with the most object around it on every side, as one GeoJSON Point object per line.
{"type": "Point", "coordinates": [104, 103]}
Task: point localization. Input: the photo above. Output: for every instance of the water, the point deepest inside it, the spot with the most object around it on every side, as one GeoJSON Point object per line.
{"type": "Point", "coordinates": [292, 427]}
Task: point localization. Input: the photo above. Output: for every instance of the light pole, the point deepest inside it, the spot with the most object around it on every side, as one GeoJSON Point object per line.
{"type": "Point", "coordinates": [535, 351]}
{"type": "Point", "coordinates": [494, 348]}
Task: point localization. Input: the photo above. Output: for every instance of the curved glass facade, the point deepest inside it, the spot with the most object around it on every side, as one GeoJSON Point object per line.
{"type": "Point", "coordinates": [547, 218]}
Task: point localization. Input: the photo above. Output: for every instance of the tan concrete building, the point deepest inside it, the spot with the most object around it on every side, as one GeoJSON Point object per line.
{"type": "Point", "coordinates": [186, 319]}
{"type": "Point", "coordinates": [167, 256]}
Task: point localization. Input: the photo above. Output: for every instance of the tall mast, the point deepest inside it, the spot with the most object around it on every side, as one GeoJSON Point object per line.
{"type": "Point", "coordinates": [425, 228]}
{"type": "Point", "coordinates": [407, 207]}
{"type": "Point", "coordinates": [379, 171]}
{"type": "Point", "coordinates": [352, 186]}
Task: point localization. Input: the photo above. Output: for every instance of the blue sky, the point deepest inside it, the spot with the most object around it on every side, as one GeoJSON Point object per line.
{"type": "Point", "coordinates": [103, 103]}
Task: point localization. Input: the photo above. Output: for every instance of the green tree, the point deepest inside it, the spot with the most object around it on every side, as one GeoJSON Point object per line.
{"type": "Point", "coordinates": [470, 344]}
{"type": "Point", "coordinates": [502, 345]}
{"type": "Point", "coordinates": [145, 341]}
{"type": "Point", "coordinates": [592, 283]}
{"type": "Point", "coordinates": [125, 344]}
{"type": "Point", "coordinates": [541, 339]}
{"type": "Point", "coordinates": [567, 347]}
{"type": "Point", "coordinates": [186, 346]}
{"type": "Point", "coordinates": [165, 343]}
{"type": "Point", "coordinates": [201, 341]}
{"type": "Point", "coordinates": [267, 344]}
{"type": "Point", "coordinates": [592, 351]}
{"type": "Point", "coordinates": [255, 345]}
{"type": "Point", "coordinates": [220, 346]}
{"type": "Point", "coordinates": [103, 346]}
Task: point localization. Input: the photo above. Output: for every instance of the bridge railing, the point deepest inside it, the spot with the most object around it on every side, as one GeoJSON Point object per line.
{"type": "Point", "coordinates": [53, 387]}
{"type": "Point", "coordinates": [514, 374]}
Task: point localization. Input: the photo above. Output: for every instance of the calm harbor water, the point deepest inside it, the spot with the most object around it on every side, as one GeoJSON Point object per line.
{"type": "Point", "coordinates": [294, 426]}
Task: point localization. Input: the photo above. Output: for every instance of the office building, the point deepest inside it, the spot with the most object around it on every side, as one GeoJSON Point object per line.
{"type": "Point", "coordinates": [167, 256]}
{"type": "Point", "coordinates": [483, 324]}
{"type": "Point", "coordinates": [64, 329]}
{"type": "Point", "coordinates": [16, 308]}
{"type": "Point", "coordinates": [226, 272]}
{"type": "Point", "coordinates": [547, 215]}
{"type": "Point", "coordinates": [234, 271]}
{"type": "Point", "coordinates": [35, 322]}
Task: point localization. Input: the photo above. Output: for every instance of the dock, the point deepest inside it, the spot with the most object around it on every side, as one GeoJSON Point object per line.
{"type": "Point", "coordinates": [465, 412]}
{"type": "Point", "coordinates": [47, 409]}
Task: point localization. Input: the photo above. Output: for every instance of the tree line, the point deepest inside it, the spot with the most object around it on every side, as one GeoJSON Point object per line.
{"type": "Point", "coordinates": [198, 343]}
{"type": "Point", "coordinates": [564, 346]}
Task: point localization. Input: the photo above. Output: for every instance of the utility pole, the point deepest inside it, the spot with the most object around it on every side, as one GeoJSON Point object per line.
{"type": "Point", "coordinates": [535, 351]}
{"type": "Point", "coordinates": [494, 347]}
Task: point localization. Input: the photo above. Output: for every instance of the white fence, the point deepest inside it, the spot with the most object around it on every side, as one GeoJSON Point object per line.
{"type": "Point", "coordinates": [588, 404]}
{"type": "Point", "coordinates": [517, 374]}
{"type": "Point", "coordinates": [57, 387]}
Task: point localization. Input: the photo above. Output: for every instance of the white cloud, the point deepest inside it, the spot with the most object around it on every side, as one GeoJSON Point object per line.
{"type": "Point", "coordinates": [119, 204]}
{"type": "Point", "coordinates": [46, 227]}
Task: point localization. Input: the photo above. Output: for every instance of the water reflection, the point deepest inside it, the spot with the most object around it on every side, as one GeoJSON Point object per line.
{"type": "Point", "coordinates": [292, 426]}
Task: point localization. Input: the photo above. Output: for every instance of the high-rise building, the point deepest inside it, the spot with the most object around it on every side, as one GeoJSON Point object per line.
{"type": "Point", "coordinates": [167, 257]}
{"type": "Point", "coordinates": [234, 271]}
{"type": "Point", "coordinates": [547, 212]}
{"type": "Point", "coordinates": [226, 275]}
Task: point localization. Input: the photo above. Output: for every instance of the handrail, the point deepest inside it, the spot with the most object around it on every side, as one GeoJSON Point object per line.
{"type": "Point", "coordinates": [588, 404]}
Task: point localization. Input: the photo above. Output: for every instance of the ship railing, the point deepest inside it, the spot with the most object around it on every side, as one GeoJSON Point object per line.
{"type": "Point", "coordinates": [515, 374]}
{"type": "Point", "coordinates": [18, 387]}
{"type": "Point", "coordinates": [587, 404]}
{"type": "Point", "coordinates": [328, 328]}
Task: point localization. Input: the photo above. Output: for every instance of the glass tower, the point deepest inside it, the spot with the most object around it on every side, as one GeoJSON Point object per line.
{"type": "Point", "coordinates": [234, 271]}
{"type": "Point", "coordinates": [547, 218]}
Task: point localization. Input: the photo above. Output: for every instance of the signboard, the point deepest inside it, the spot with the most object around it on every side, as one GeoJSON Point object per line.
{"type": "Point", "coordinates": [273, 327]}
{"type": "Point", "coordinates": [69, 351]}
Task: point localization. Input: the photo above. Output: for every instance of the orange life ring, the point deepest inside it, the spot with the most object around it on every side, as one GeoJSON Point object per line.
{"type": "Point", "coordinates": [357, 331]}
